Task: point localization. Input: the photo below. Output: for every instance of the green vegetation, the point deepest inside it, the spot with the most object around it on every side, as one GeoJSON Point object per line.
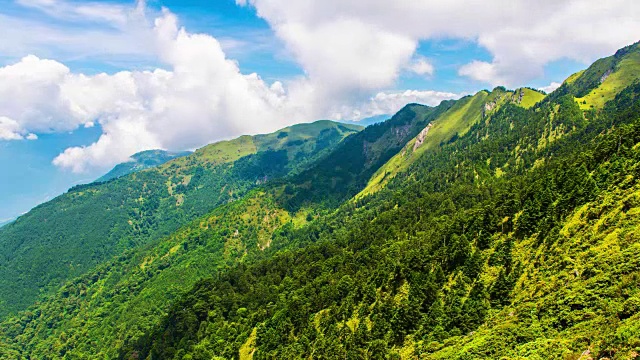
{"type": "Point", "coordinates": [454, 121]}
{"type": "Point", "coordinates": [141, 161]}
{"type": "Point", "coordinates": [133, 292]}
{"type": "Point", "coordinates": [448, 127]}
{"type": "Point", "coordinates": [529, 97]}
{"type": "Point", "coordinates": [448, 261]}
{"type": "Point", "coordinates": [604, 79]}
{"type": "Point", "coordinates": [508, 231]}
{"type": "Point", "coordinates": [624, 73]}
{"type": "Point", "coordinates": [571, 79]}
{"type": "Point", "coordinates": [81, 229]}
{"type": "Point", "coordinates": [338, 177]}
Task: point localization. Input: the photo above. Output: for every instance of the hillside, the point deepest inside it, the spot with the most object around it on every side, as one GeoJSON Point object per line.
{"type": "Point", "coordinates": [500, 225]}
{"type": "Point", "coordinates": [604, 79]}
{"type": "Point", "coordinates": [88, 225]}
{"type": "Point", "coordinates": [450, 261]}
{"type": "Point", "coordinates": [344, 173]}
{"type": "Point", "coordinates": [141, 161]}
{"type": "Point", "coordinates": [455, 122]}
{"type": "Point", "coordinates": [134, 291]}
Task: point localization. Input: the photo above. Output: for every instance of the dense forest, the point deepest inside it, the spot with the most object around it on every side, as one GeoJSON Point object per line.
{"type": "Point", "coordinates": [500, 225]}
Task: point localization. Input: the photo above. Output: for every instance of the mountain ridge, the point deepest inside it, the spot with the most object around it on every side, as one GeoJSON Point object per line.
{"type": "Point", "coordinates": [481, 243]}
{"type": "Point", "coordinates": [80, 229]}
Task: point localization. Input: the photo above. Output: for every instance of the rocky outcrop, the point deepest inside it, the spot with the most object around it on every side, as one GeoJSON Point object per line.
{"type": "Point", "coordinates": [421, 137]}
{"type": "Point", "coordinates": [520, 96]}
{"type": "Point", "coordinates": [605, 75]}
{"type": "Point", "coordinates": [488, 107]}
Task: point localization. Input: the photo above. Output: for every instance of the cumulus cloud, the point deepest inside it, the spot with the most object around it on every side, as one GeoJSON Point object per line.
{"type": "Point", "coordinates": [348, 50]}
{"type": "Point", "coordinates": [9, 129]}
{"type": "Point", "coordinates": [483, 71]}
{"type": "Point", "coordinates": [421, 66]}
{"type": "Point", "coordinates": [551, 87]}
{"type": "Point", "coordinates": [384, 103]}
{"type": "Point", "coordinates": [522, 36]}
{"type": "Point", "coordinates": [204, 97]}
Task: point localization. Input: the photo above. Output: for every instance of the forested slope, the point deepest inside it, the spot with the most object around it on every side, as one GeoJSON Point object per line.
{"type": "Point", "coordinates": [110, 308]}
{"type": "Point", "coordinates": [510, 232]}
{"type": "Point", "coordinates": [518, 239]}
{"type": "Point", "coordinates": [79, 230]}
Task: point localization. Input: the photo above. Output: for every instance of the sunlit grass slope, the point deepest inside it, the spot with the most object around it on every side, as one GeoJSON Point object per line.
{"type": "Point", "coordinates": [622, 75]}
{"type": "Point", "coordinates": [453, 123]}
{"type": "Point", "coordinates": [530, 97]}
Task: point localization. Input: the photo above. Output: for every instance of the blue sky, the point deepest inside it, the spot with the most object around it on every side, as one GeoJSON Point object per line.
{"type": "Point", "coordinates": [92, 93]}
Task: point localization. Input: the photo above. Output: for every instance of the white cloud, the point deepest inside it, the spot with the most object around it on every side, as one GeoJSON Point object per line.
{"type": "Point", "coordinates": [522, 36]}
{"type": "Point", "coordinates": [9, 129]}
{"type": "Point", "coordinates": [109, 31]}
{"type": "Point", "coordinates": [551, 87]}
{"type": "Point", "coordinates": [483, 71]}
{"type": "Point", "coordinates": [422, 67]}
{"type": "Point", "coordinates": [384, 103]}
{"type": "Point", "coordinates": [348, 50]}
{"type": "Point", "coordinates": [344, 61]}
{"type": "Point", "coordinates": [203, 97]}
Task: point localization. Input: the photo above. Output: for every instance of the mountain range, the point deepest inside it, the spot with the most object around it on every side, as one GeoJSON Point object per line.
{"type": "Point", "coordinates": [500, 225]}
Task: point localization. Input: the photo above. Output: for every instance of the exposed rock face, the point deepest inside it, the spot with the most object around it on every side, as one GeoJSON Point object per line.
{"type": "Point", "coordinates": [488, 107]}
{"type": "Point", "coordinates": [421, 137]}
{"type": "Point", "coordinates": [605, 75]}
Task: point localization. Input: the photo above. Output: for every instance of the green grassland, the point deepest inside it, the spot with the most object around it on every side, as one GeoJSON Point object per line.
{"type": "Point", "coordinates": [625, 73]}
{"type": "Point", "coordinates": [571, 79]}
{"type": "Point", "coordinates": [530, 97]}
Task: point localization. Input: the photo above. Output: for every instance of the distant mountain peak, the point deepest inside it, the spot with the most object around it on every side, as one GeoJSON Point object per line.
{"type": "Point", "coordinates": [142, 161]}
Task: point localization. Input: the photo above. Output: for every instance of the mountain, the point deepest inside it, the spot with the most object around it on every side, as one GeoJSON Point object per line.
{"type": "Point", "coordinates": [136, 289]}
{"type": "Point", "coordinates": [141, 161]}
{"type": "Point", "coordinates": [516, 239]}
{"type": "Point", "coordinates": [604, 79]}
{"type": "Point", "coordinates": [90, 224]}
{"type": "Point", "coordinates": [454, 123]}
{"type": "Point", "coordinates": [5, 222]}
{"type": "Point", "coordinates": [500, 225]}
{"type": "Point", "coordinates": [367, 121]}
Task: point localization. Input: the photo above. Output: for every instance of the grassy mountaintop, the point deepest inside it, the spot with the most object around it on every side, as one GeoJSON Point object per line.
{"type": "Point", "coordinates": [604, 79]}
